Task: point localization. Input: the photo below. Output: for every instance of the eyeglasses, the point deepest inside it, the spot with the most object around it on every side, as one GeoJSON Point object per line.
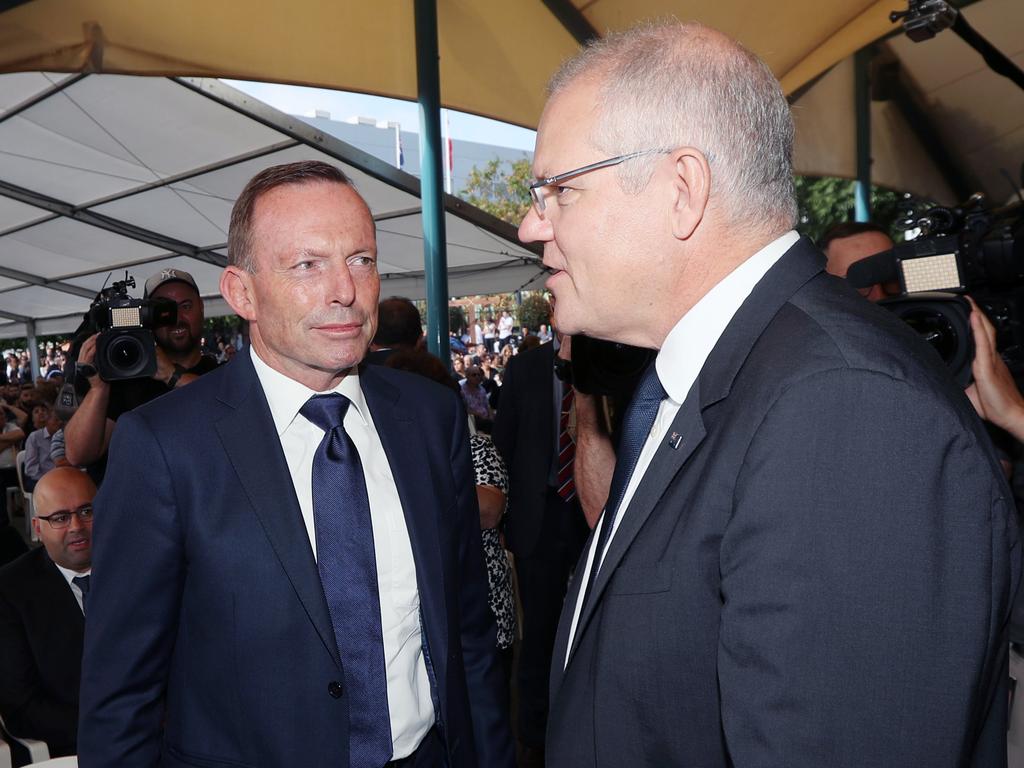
{"type": "Point", "coordinates": [537, 188]}
{"type": "Point", "coordinates": [62, 518]}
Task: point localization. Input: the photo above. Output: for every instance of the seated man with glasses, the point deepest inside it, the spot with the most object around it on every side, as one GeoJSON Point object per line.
{"type": "Point", "coordinates": [43, 598]}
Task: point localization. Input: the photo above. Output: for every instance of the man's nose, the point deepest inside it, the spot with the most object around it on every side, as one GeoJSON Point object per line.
{"type": "Point", "coordinates": [534, 227]}
{"type": "Point", "coordinates": [340, 285]}
{"type": "Point", "coordinates": [76, 522]}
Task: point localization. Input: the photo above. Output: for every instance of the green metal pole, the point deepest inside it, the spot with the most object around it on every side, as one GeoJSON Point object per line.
{"type": "Point", "coordinates": [862, 107]}
{"type": "Point", "coordinates": [435, 257]}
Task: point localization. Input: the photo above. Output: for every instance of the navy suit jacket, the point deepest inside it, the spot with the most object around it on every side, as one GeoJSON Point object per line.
{"type": "Point", "coordinates": [209, 641]}
{"type": "Point", "coordinates": [818, 573]}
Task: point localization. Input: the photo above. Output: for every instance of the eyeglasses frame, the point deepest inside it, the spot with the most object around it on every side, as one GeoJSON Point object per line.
{"type": "Point", "coordinates": [76, 512]}
{"type": "Point", "coordinates": [535, 187]}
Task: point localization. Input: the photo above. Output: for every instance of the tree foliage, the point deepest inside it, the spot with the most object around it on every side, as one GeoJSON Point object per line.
{"type": "Point", "coordinates": [534, 310]}
{"type": "Point", "coordinates": [456, 319]}
{"type": "Point", "coordinates": [501, 188]}
{"type": "Point", "coordinates": [825, 201]}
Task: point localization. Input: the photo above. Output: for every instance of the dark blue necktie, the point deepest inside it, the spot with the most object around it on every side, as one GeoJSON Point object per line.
{"type": "Point", "coordinates": [348, 572]}
{"type": "Point", "coordinates": [83, 584]}
{"type": "Point", "coordinates": [636, 426]}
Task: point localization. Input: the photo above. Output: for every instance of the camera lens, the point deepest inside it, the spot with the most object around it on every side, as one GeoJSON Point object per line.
{"type": "Point", "coordinates": [125, 354]}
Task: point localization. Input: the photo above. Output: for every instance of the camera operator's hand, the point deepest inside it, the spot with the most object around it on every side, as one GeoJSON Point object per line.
{"type": "Point", "coordinates": [87, 356]}
{"type": "Point", "coordinates": [994, 393]}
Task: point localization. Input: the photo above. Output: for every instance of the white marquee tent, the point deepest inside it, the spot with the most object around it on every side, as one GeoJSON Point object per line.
{"type": "Point", "coordinates": [105, 173]}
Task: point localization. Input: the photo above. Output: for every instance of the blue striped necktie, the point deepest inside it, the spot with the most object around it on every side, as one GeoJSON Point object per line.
{"type": "Point", "coordinates": [348, 571]}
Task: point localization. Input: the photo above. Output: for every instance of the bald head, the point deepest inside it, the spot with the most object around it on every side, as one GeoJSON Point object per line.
{"type": "Point", "coordinates": [65, 491]}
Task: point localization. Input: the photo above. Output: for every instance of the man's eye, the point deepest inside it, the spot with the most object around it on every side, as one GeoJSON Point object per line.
{"type": "Point", "coordinates": [60, 519]}
{"type": "Point", "coordinates": [361, 261]}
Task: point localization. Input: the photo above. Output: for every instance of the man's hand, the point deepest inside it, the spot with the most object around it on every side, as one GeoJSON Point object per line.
{"type": "Point", "coordinates": [994, 393]}
{"type": "Point", "coordinates": [87, 356]}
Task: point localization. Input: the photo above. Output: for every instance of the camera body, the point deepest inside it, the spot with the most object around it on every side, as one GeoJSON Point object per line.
{"type": "Point", "coordinates": [126, 347]}
{"type": "Point", "coordinates": [964, 250]}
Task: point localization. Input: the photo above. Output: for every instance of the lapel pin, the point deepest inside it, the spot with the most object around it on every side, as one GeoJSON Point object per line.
{"type": "Point", "coordinates": [675, 440]}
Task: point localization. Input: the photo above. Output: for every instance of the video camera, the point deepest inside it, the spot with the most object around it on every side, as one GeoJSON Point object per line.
{"type": "Point", "coordinates": [126, 347]}
{"type": "Point", "coordinates": [967, 249]}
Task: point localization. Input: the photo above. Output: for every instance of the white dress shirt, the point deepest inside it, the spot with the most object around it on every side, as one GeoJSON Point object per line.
{"type": "Point", "coordinates": [68, 575]}
{"type": "Point", "coordinates": [679, 362]}
{"type": "Point", "coordinates": [409, 702]}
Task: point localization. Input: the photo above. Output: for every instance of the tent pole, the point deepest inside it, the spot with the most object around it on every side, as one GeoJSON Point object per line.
{"type": "Point", "coordinates": [862, 109]}
{"type": "Point", "coordinates": [435, 257]}
{"type": "Point", "coordinates": [33, 348]}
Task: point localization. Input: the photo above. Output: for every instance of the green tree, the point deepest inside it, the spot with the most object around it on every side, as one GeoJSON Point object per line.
{"type": "Point", "coordinates": [456, 319]}
{"type": "Point", "coordinates": [824, 201]}
{"type": "Point", "coordinates": [501, 189]}
{"type": "Point", "coordinates": [533, 311]}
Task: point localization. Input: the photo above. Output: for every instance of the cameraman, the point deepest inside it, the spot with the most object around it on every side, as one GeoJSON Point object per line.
{"type": "Point", "coordinates": [179, 361]}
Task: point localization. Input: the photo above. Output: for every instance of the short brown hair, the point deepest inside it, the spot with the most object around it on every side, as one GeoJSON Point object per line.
{"type": "Point", "coordinates": [240, 228]}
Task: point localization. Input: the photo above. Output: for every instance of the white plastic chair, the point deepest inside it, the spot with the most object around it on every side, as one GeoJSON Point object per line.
{"type": "Point", "coordinates": [30, 509]}
{"type": "Point", "coordinates": [58, 762]}
{"type": "Point", "coordinates": [38, 751]}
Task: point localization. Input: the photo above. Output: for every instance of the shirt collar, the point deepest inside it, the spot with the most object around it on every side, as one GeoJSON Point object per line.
{"type": "Point", "coordinates": [285, 396]}
{"type": "Point", "coordinates": [691, 340]}
{"type": "Point", "coordinates": [68, 574]}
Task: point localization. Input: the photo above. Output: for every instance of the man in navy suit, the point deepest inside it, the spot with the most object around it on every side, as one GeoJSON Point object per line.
{"type": "Point", "coordinates": [808, 550]}
{"type": "Point", "coordinates": [276, 589]}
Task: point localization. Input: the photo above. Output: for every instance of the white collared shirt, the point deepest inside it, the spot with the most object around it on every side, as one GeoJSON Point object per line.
{"type": "Point", "coordinates": [69, 575]}
{"type": "Point", "coordinates": [409, 702]}
{"type": "Point", "coordinates": [679, 362]}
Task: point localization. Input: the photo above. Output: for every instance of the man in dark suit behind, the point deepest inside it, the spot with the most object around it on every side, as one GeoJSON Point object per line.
{"type": "Point", "coordinates": [398, 328]}
{"type": "Point", "coordinates": [297, 577]}
{"type": "Point", "coordinates": [808, 550]}
{"type": "Point", "coordinates": [42, 598]}
{"type": "Point", "coordinates": [545, 528]}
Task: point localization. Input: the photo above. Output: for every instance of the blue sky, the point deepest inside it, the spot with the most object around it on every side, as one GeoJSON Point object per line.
{"type": "Point", "coordinates": [300, 100]}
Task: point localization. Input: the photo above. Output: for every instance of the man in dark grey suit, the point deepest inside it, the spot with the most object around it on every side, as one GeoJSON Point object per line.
{"type": "Point", "coordinates": [808, 550]}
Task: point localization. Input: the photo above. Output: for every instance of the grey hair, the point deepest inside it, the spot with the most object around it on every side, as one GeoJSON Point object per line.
{"type": "Point", "coordinates": [667, 84]}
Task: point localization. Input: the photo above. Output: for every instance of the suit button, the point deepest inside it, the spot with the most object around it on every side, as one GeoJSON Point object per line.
{"type": "Point", "coordinates": [335, 689]}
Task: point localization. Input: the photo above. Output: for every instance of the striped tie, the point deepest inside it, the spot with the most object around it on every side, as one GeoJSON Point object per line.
{"type": "Point", "coordinates": [566, 450]}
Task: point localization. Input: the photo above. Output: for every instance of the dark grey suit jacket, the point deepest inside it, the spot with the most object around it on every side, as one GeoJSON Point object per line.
{"type": "Point", "coordinates": [819, 575]}
{"type": "Point", "coordinates": [41, 630]}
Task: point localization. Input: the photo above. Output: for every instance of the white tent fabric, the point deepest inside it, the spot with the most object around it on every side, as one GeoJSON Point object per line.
{"type": "Point", "coordinates": [105, 173]}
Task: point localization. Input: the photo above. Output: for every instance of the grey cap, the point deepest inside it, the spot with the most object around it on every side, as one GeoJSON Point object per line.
{"type": "Point", "coordinates": [168, 276]}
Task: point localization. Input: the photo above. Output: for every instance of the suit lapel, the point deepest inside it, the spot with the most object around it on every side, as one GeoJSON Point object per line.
{"type": "Point", "coordinates": [796, 267]}
{"type": "Point", "coordinates": [400, 434]}
{"type": "Point", "coordinates": [254, 450]}
{"type": "Point", "coordinates": [665, 465]}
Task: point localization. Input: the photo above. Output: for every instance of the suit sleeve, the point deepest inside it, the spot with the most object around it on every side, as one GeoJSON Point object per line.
{"type": "Point", "coordinates": [138, 577]}
{"type": "Point", "coordinates": [484, 680]}
{"type": "Point", "coordinates": [27, 710]}
{"type": "Point", "coordinates": [505, 421]}
{"type": "Point", "coordinates": [866, 574]}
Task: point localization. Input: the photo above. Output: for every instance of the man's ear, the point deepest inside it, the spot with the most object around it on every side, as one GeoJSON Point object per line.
{"type": "Point", "coordinates": [691, 187]}
{"type": "Point", "coordinates": [236, 288]}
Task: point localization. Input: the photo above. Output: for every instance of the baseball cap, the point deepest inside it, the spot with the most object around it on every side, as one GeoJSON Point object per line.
{"type": "Point", "coordinates": [168, 276]}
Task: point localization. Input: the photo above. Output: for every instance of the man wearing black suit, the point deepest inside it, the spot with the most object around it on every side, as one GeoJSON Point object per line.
{"type": "Point", "coordinates": [398, 328]}
{"type": "Point", "coordinates": [545, 528]}
{"type": "Point", "coordinates": [808, 550]}
{"type": "Point", "coordinates": [42, 599]}
{"type": "Point", "coordinates": [297, 578]}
